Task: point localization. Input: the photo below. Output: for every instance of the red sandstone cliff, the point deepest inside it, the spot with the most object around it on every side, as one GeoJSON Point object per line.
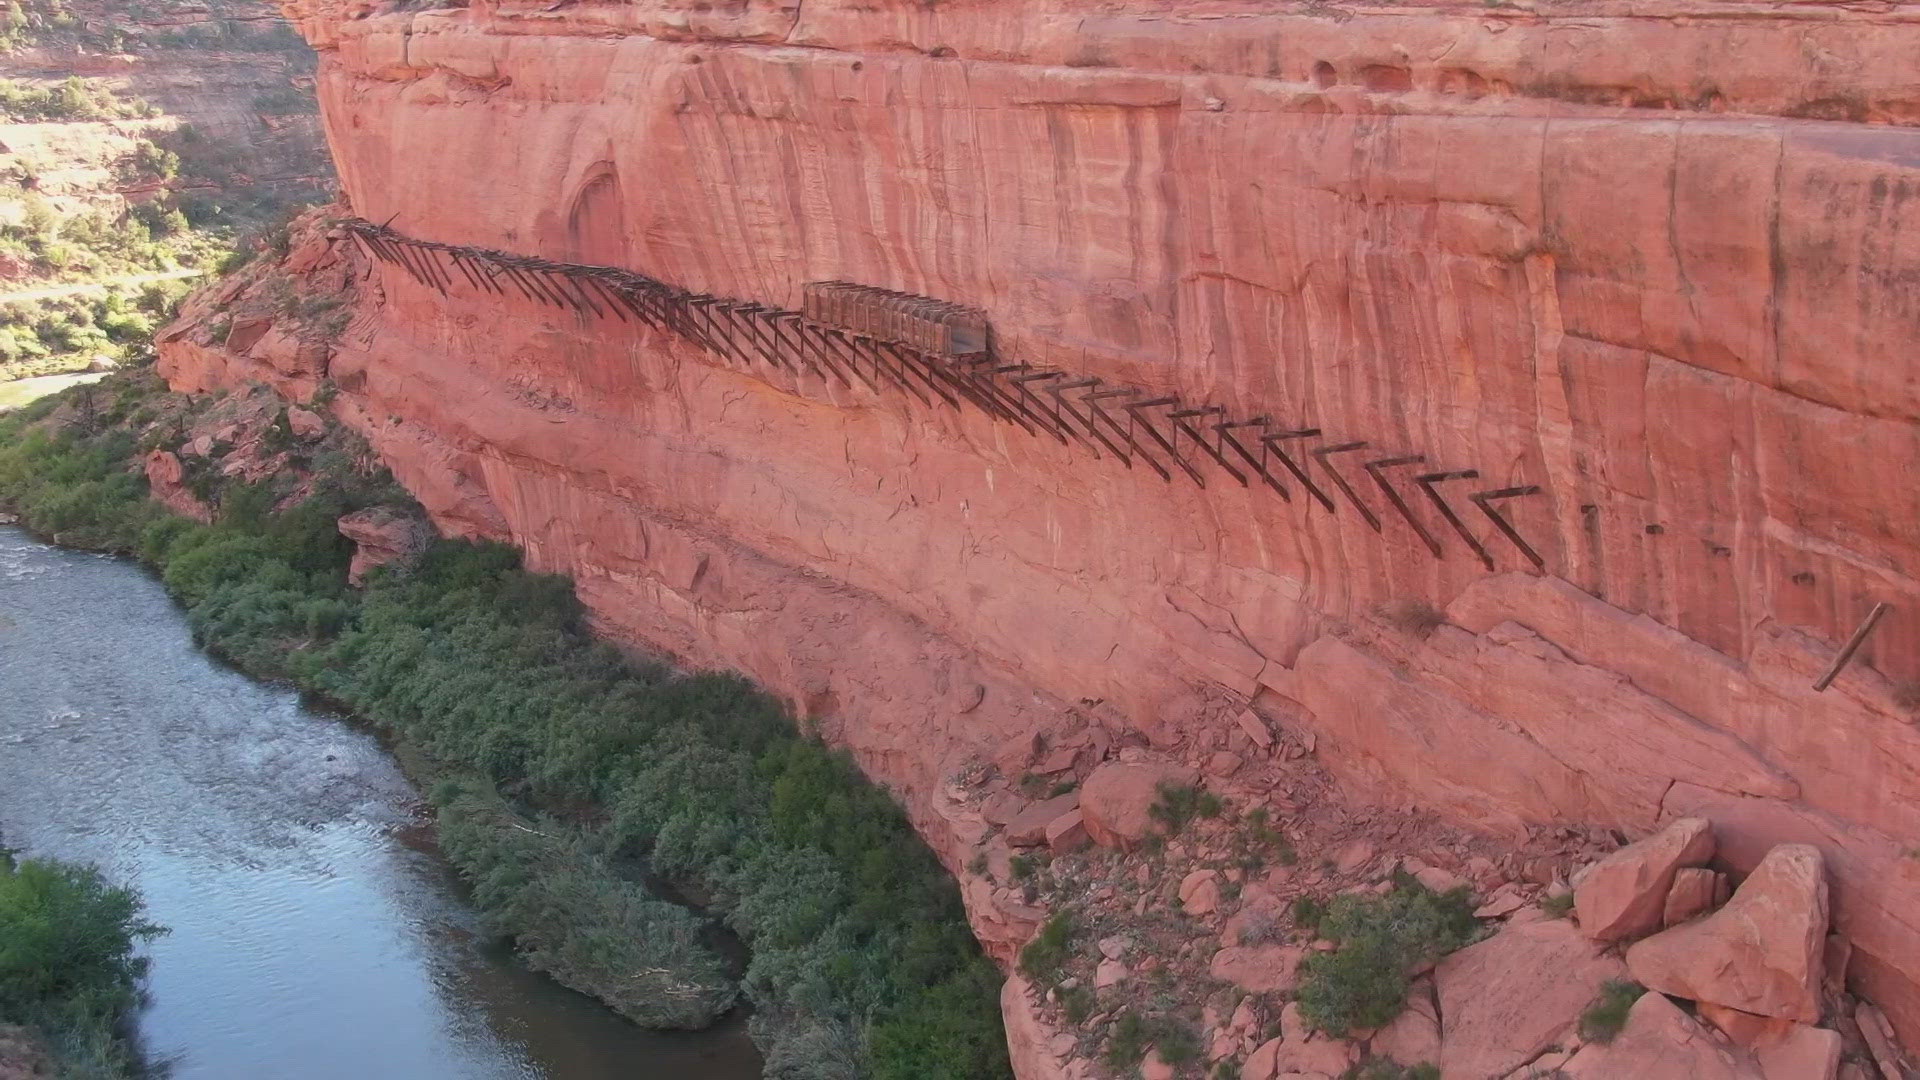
{"type": "Point", "coordinates": [1658, 264]}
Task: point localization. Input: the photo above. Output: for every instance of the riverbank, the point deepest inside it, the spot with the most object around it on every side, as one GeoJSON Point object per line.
{"type": "Point", "coordinates": [69, 975]}
{"type": "Point", "coordinates": [862, 963]}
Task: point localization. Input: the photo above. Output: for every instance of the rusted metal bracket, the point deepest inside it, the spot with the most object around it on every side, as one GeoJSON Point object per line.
{"type": "Point", "coordinates": [1323, 453]}
{"type": "Point", "coordinates": [751, 318]}
{"type": "Point", "coordinates": [1374, 470]}
{"type": "Point", "coordinates": [1852, 646]}
{"type": "Point", "coordinates": [1485, 500]}
{"type": "Point", "coordinates": [1427, 482]}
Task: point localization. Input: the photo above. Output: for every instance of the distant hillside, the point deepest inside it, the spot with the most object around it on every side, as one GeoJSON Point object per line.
{"type": "Point", "coordinates": [139, 139]}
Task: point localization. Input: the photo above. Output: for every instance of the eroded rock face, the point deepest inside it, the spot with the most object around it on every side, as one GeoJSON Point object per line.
{"type": "Point", "coordinates": [1028, 1035]}
{"type": "Point", "coordinates": [1625, 894]}
{"type": "Point", "coordinates": [1761, 953]}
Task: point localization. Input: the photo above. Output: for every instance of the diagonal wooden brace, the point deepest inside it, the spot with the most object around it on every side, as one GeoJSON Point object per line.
{"type": "Point", "coordinates": [1427, 482]}
{"type": "Point", "coordinates": [1485, 500]}
{"type": "Point", "coordinates": [1393, 496]}
{"type": "Point", "coordinates": [1323, 453]}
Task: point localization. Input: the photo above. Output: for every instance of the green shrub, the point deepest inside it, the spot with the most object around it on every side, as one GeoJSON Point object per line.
{"type": "Point", "coordinates": [1179, 805]}
{"type": "Point", "coordinates": [1043, 958]}
{"type": "Point", "coordinates": [572, 916]}
{"type": "Point", "coordinates": [1380, 940]}
{"type": "Point", "coordinates": [67, 964]}
{"type": "Point", "coordinates": [1608, 1014]}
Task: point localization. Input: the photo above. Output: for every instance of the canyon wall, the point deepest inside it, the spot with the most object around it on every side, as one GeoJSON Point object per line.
{"type": "Point", "coordinates": [1656, 260]}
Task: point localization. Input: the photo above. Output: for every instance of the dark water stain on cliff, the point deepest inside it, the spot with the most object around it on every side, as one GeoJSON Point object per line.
{"type": "Point", "coordinates": [315, 932]}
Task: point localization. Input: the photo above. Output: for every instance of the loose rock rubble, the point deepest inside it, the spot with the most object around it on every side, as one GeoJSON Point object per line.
{"type": "Point", "coordinates": [1188, 896]}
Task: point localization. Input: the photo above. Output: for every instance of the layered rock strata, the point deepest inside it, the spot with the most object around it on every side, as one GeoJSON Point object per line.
{"type": "Point", "coordinates": [1651, 261]}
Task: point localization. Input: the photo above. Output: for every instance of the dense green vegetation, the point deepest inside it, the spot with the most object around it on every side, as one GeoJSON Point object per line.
{"type": "Point", "coordinates": [861, 961]}
{"type": "Point", "coordinates": [73, 99]}
{"type": "Point", "coordinates": [62, 333]}
{"type": "Point", "coordinates": [68, 971]}
{"type": "Point", "coordinates": [1381, 939]}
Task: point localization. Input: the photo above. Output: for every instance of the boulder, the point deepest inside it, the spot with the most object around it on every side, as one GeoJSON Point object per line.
{"type": "Point", "coordinates": [383, 536]}
{"type": "Point", "coordinates": [166, 483]}
{"type": "Point", "coordinates": [1117, 799]}
{"type": "Point", "coordinates": [1692, 893]}
{"type": "Point", "coordinates": [1761, 953]}
{"type": "Point", "coordinates": [1067, 833]}
{"type": "Point", "coordinates": [305, 423]}
{"type": "Point", "coordinates": [1414, 1035]}
{"type": "Point", "coordinates": [1029, 827]}
{"type": "Point", "coordinates": [1659, 1042]}
{"type": "Point", "coordinates": [1298, 1053]}
{"type": "Point", "coordinates": [1200, 892]}
{"type": "Point", "coordinates": [1624, 895]}
{"type": "Point", "coordinates": [1505, 1000]}
{"type": "Point", "coordinates": [1802, 1053]}
{"type": "Point", "coordinates": [1258, 969]}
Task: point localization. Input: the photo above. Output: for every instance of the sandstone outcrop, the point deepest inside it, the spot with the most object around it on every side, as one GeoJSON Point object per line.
{"type": "Point", "coordinates": [1624, 895]}
{"type": "Point", "coordinates": [166, 482]}
{"type": "Point", "coordinates": [1637, 259]}
{"type": "Point", "coordinates": [1027, 1035]}
{"type": "Point", "coordinates": [1761, 953]}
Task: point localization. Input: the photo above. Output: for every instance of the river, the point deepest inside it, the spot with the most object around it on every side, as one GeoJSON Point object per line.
{"type": "Point", "coordinates": [315, 933]}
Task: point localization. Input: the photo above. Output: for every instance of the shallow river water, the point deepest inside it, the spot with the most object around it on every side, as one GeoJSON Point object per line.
{"type": "Point", "coordinates": [314, 932]}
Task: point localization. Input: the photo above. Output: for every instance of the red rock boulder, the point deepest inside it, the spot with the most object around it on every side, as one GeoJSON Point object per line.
{"type": "Point", "coordinates": [1624, 895]}
{"type": "Point", "coordinates": [1117, 799]}
{"type": "Point", "coordinates": [1659, 1042]}
{"type": "Point", "coordinates": [1505, 1000]}
{"type": "Point", "coordinates": [1762, 953]}
{"type": "Point", "coordinates": [383, 536]}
